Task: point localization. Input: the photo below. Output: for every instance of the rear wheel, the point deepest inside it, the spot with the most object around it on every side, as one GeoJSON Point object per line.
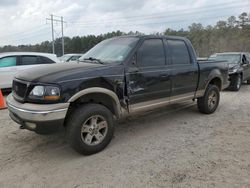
{"type": "Point", "coordinates": [210, 101]}
{"type": "Point", "coordinates": [90, 128]}
{"type": "Point", "coordinates": [235, 84]}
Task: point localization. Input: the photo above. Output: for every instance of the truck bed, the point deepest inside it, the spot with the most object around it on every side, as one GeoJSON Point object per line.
{"type": "Point", "coordinates": [219, 68]}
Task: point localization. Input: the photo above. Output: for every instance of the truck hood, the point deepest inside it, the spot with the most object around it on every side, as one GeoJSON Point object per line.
{"type": "Point", "coordinates": [54, 73]}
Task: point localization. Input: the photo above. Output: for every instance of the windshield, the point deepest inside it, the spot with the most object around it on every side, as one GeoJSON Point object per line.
{"type": "Point", "coordinates": [230, 58]}
{"type": "Point", "coordinates": [111, 50]}
{"type": "Point", "coordinates": [65, 57]}
{"type": "Point", "coordinates": [74, 58]}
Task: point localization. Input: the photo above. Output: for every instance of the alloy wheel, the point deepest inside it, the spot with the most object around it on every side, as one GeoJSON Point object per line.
{"type": "Point", "coordinates": [94, 130]}
{"type": "Point", "coordinates": [212, 99]}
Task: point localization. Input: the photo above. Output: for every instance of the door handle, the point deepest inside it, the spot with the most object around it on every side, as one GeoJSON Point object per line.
{"type": "Point", "coordinates": [133, 70]}
{"type": "Point", "coordinates": [191, 73]}
{"type": "Point", "coordinates": [164, 77]}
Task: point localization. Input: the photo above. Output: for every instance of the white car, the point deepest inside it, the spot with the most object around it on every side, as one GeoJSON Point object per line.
{"type": "Point", "coordinates": [12, 62]}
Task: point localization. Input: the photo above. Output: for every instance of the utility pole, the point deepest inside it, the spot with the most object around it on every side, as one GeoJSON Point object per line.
{"type": "Point", "coordinates": [52, 19]}
{"type": "Point", "coordinates": [52, 31]}
{"type": "Point", "coordinates": [62, 36]}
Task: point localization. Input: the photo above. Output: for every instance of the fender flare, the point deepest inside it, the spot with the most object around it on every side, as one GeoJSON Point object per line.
{"type": "Point", "coordinates": [111, 94]}
{"type": "Point", "coordinates": [212, 79]}
{"type": "Point", "coordinates": [214, 74]}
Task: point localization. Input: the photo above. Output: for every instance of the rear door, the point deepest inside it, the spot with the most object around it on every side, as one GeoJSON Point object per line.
{"type": "Point", "coordinates": [7, 71]}
{"type": "Point", "coordinates": [28, 61]}
{"type": "Point", "coordinates": [148, 78]}
{"type": "Point", "coordinates": [184, 72]}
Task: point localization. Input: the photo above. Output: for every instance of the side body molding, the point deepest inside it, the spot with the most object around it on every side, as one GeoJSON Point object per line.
{"type": "Point", "coordinates": [108, 92]}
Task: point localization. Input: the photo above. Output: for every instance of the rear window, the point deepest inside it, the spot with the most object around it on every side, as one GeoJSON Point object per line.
{"type": "Point", "coordinates": [29, 60]}
{"type": "Point", "coordinates": [179, 52]}
{"type": "Point", "coordinates": [8, 62]}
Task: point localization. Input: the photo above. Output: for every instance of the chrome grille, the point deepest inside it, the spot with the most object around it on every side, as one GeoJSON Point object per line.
{"type": "Point", "coordinates": [19, 89]}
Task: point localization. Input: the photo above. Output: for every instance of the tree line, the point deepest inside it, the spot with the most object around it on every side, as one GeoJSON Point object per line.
{"type": "Point", "coordinates": [232, 34]}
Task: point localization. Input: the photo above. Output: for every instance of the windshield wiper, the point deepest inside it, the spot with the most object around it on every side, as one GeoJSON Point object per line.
{"type": "Point", "coordinates": [94, 59]}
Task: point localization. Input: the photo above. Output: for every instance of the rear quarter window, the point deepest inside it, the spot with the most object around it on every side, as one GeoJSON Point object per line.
{"type": "Point", "coordinates": [179, 52]}
{"type": "Point", "coordinates": [45, 60]}
{"type": "Point", "coordinates": [8, 61]}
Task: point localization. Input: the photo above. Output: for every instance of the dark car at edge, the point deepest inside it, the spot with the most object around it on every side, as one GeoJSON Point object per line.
{"type": "Point", "coordinates": [239, 67]}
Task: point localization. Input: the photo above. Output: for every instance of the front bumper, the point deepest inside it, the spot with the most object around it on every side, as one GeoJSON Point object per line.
{"type": "Point", "coordinates": [225, 85]}
{"type": "Point", "coordinates": [31, 116]}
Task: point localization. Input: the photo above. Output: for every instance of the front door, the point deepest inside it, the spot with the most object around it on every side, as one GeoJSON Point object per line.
{"type": "Point", "coordinates": [148, 81]}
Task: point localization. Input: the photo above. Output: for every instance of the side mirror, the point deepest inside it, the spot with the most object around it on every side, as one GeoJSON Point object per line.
{"type": "Point", "coordinates": [244, 60]}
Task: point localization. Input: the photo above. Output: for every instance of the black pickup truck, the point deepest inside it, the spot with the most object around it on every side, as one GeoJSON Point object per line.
{"type": "Point", "coordinates": [118, 77]}
{"type": "Point", "coordinates": [239, 67]}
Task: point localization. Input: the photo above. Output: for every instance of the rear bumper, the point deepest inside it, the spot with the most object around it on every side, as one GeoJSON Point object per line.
{"type": "Point", "coordinates": [30, 116]}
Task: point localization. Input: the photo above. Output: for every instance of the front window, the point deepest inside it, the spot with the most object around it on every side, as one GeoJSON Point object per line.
{"type": "Point", "coordinates": [111, 50]}
{"type": "Point", "coordinates": [230, 58]}
{"type": "Point", "coordinates": [8, 61]}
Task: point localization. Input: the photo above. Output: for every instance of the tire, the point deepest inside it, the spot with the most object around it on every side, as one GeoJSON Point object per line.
{"type": "Point", "coordinates": [90, 128]}
{"type": "Point", "coordinates": [210, 101]}
{"type": "Point", "coordinates": [236, 81]}
{"type": "Point", "coordinates": [248, 81]}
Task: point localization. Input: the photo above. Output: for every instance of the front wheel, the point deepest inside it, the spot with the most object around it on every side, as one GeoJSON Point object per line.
{"type": "Point", "coordinates": [210, 101]}
{"type": "Point", "coordinates": [90, 128]}
{"type": "Point", "coordinates": [235, 84]}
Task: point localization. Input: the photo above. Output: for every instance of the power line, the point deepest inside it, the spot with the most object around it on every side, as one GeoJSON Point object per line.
{"type": "Point", "coordinates": [163, 14]}
{"type": "Point", "coordinates": [29, 37]}
{"type": "Point", "coordinates": [121, 24]}
{"type": "Point", "coordinates": [157, 23]}
{"type": "Point", "coordinates": [24, 33]}
{"type": "Point", "coordinates": [96, 24]}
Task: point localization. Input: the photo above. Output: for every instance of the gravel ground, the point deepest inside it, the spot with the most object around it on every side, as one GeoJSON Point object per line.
{"type": "Point", "coordinates": [175, 146]}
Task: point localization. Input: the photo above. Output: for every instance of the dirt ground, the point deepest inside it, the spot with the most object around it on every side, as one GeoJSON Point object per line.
{"type": "Point", "coordinates": [174, 146]}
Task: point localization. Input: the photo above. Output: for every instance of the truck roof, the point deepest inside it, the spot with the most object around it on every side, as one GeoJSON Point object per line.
{"type": "Point", "coordinates": [152, 36]}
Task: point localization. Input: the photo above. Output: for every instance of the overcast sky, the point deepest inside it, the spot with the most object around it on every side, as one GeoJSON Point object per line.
{"type": "Point", "coordinates": [24, 21]}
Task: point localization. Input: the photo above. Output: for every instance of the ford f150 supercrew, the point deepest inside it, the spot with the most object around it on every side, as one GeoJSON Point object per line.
{"type": "Point", "coordinates": [118, 77]}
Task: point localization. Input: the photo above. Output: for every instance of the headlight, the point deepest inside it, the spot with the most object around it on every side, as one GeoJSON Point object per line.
{"type": "Point", "coordinates": [233, 70]}
{"type": "Point", "coordinates": [48, 93]}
